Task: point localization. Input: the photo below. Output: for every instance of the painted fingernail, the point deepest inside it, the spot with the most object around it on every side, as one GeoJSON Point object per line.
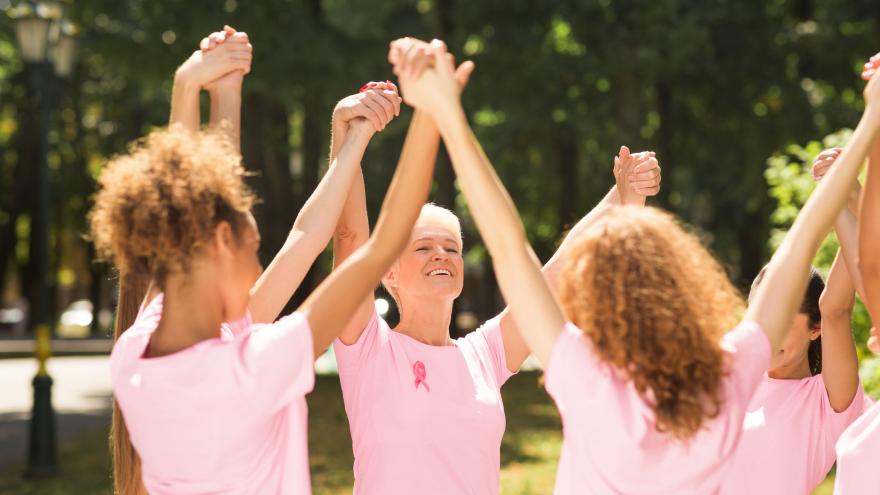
{"type": "Point", "coordinates": [364, 88]}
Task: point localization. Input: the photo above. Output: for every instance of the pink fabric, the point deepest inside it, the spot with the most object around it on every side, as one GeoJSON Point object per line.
{"type": "Point", "coordinates": [424, 419]}
{"type": "Point", "coordinates": [858, 456]}
{"type": "Point", "coordinates": [610, 441]}
{"type": "Point", "coordinates": [225, 416]}
{"type": "Point", "coordinates": [789, 432]}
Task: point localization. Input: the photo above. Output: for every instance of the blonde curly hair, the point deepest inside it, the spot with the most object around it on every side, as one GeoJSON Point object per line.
{"type": "Point", "coordinates": [655, 305]}
{"type": "Point", "coordinates": [159, 203]}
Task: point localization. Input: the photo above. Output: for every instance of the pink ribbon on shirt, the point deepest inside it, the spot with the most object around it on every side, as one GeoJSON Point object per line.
{"type": "Point", "coordinates": [420, 374]}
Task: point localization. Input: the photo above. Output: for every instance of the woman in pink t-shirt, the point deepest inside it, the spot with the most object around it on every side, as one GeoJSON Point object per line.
{"type": "Point", "coordinates": [858, 450]}
{"type": "Point", "coordinates": [651, 385]}
{"type": "Point", "coordinates": [811, 392]}
{"type": "Point", "coordinates": [214, 407]}
{"type": "Point", "coordinates": [424, 409]}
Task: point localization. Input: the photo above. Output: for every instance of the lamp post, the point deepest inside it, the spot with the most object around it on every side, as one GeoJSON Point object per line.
{"type": "Point", "coordinates": [47, 48]}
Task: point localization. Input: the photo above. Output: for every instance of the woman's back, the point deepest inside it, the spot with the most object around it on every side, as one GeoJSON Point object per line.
{"type": "Point", "coordinates": [612, 444]}
{"type": "Point", "coordinates": [227, 414]}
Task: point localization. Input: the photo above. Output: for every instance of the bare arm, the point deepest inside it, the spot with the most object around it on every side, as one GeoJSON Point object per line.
{"type": "Point", "coordinates": [225, 91]}
{"type": "Point", "coordinates": [779, 295]}
{"type": "Point", "coordinates": [353, 229]}
{"type": "Point", "coordinates": [645, 181]}
{"type": "Point", "coordinates": [200, 70]}
{"type": "Point", "coordinates": [185, 102]}
{"type": "Point", "coordinates": [226, 109]}
{"type": "Point", "coordinates": [840, 368]}
{"type": "Point", "coordinates": [329, 308]}
{"type": "Point", "coordinates": [530, 299]}
{"type": "Point", "coordinates": [869, 235]}
{"type": "Point", "coordinates": [311, 230]}
{"type": "Point", "coordinates": [846, 224]}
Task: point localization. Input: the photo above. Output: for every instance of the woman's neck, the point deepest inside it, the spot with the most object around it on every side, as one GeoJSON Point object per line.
{"type": "Point", "coordinates": [191, 312]}
{"type": "Point", "coordinates": [794, 371]}
{"type": "Point", "coordinates": [426, 320]}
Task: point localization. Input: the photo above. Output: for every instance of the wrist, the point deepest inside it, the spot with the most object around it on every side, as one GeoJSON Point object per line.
{"type": "Point", "coordinates": [447, 113]}
{"type": "Point", "coordinates": [183, 81]}
{"type": "Point", "coordinates": [358, 133]}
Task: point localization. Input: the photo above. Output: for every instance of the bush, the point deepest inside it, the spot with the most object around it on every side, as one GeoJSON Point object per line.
{"type": "Point", "coordinates": [790, 181]}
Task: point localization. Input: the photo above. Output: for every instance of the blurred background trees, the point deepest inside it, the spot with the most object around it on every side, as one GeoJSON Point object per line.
{"type": "Point", "coordinates": [714, 87]}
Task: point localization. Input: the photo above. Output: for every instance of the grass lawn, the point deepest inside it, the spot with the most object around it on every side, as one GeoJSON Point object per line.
{"type": "Point", "coordinates": [528, 453]}
{"type": "Point", "coordinates": [529, 450]}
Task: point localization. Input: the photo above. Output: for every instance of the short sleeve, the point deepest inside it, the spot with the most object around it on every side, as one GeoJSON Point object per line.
{"type": "Point", "coordinates": [748, 349]}
{"type": "Point", "coordinates": [278, 361]}
{"type": "Point", "coordinates": [236, 328]}
{"type": "Point", "coordinates": [839, 421]}
{"type": "Point", "coordinates": [349, 358]}
{"type": "Point", "coordinates": [572, 366]}
{"type": "Point", "coordinates": [488, 342]}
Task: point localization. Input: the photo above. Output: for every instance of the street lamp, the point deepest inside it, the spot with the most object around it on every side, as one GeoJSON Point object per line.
{"type": "Point", "coordinates": [47, 48]}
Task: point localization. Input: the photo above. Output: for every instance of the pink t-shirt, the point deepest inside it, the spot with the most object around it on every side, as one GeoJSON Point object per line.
{"type": "Point", "coordinates": [858, 456]}
{"type": "Point", "coordinates": [610, 441]}
{"type": "Point", "coordinates": [424, 419]}
{"type": "Point", "coordinates": [225, 416]}
{"type": "Point", "coordinates": [789, 432]}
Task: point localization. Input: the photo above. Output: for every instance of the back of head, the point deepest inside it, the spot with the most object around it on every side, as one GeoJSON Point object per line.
{"type": "Point", "coordinates": [158, 204]}
{"type": "Point", "coordinates": [155, 207]}
{"type": "Point", "coordinates": [655, 304]}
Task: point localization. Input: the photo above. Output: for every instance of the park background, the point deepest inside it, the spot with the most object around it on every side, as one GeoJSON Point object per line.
{"type": "Point", "coordinates": [735, 97]}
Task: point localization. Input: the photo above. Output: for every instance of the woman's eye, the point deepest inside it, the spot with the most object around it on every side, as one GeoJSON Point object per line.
{"type": "Point", "coordinates": [422, 249]}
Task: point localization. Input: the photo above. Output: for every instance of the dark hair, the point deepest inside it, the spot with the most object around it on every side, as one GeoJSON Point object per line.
{"type": "Point", "coordinates": [810, 307]}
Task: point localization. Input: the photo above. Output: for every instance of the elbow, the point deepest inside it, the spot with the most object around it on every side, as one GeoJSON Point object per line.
{"type": "Point", "coordinates": [347, 236]}
{"type": "Point", "coordinates": [835, 313]}
{"type": "Point", "coordinates": [835, 308]}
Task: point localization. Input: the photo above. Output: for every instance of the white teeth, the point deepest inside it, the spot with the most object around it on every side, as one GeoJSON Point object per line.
{"type": "Point", "coordinates": [439, 271]}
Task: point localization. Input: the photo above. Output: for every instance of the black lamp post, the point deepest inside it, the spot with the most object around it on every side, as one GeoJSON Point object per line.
{"type": "Point", "coordinates": [47, 48]}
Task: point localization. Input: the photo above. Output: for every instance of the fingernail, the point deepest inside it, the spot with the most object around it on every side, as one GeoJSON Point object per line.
{"type": "Point", "coordinates": [363, 88]}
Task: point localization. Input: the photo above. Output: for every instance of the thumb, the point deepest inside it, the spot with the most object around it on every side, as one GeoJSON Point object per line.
{"type": "Point", "coordinates": [623, 153]}
{"type": "Point", "coordinates": [463, 73]}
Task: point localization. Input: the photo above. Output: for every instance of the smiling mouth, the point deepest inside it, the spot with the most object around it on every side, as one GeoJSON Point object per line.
{"type": "Point", "coordinates": [442, 272]}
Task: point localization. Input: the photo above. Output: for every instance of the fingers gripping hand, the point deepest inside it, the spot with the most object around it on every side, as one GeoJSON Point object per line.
{"type": "Point", "coordinates": [823, 161]}
{"type": "Point", "coordinates": [222, 59]}
{"type": "Point", "coordinates": [645, 177]}
{"type": "Point", "coordinates": [427, 77]}
{"type": "Point", "coordinates": [377, 102]}
{"type": "Point", "coordinates": [637, 173]}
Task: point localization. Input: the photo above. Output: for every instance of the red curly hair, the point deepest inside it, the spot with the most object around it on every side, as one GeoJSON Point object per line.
{"type": "Point", "coordinates": [655, 305]}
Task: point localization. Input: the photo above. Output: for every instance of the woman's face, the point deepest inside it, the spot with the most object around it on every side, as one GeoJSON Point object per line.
{"type": "Point", "coordinates": [431, 265]}
{"type": "Point", "coordinates": [795, 347]}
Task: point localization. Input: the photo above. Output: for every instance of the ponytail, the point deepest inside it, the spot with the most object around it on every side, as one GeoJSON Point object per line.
{"type": "Point", "coordinates": [126, 462]}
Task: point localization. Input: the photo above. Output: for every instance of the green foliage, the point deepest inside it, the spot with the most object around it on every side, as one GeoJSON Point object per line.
{"type": "Point", "coordinates": [790, 181]}
{"type": "Point", "coordinates": [713, 86]}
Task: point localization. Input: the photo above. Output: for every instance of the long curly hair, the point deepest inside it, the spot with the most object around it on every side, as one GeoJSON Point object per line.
{"type": "Point", "coordinates": [157, 205]}
{"type": "Point", "coordinates": [655, 305]}
{"type": "Point", "coordinates": [155, 208]}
